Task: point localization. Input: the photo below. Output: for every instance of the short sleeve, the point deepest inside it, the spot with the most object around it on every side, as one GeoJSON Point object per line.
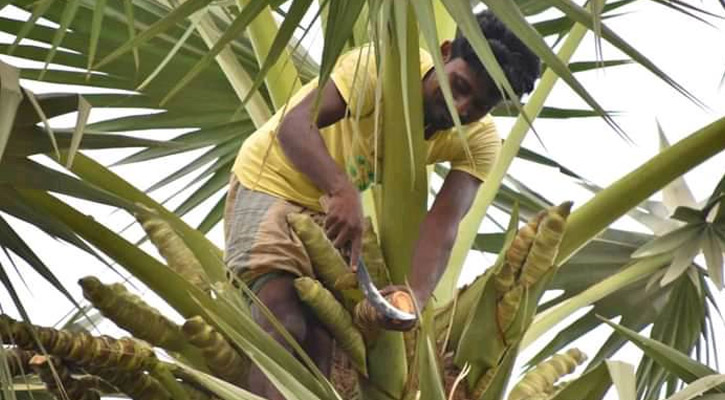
{"type": "Point", "coordinates": [485, 145]}
{"type": "Point", "coordinates": [355, 76]}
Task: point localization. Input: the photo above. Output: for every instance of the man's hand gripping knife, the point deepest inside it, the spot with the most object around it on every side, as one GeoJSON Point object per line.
{"type": "Point", "coordinates": [392, 307]}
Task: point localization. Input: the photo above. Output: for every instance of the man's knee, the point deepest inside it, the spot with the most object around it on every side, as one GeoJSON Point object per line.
{"type": "Point", "coordinates": [280, 297]}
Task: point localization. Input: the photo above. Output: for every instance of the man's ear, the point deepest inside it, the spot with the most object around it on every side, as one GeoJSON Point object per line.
{"type": "Point", "coordinates": [446, 50]}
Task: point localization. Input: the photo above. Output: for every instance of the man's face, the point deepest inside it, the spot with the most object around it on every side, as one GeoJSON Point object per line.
{"type": "Point", "coordinates": [468, 90]}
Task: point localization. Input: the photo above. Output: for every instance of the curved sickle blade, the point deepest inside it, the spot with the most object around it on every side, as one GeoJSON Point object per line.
{"type": "Point", "coordinates": [376, 299]}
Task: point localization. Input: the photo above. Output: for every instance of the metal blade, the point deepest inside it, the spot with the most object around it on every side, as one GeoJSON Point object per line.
{"type": "Point", "coordinates": [376, 299]}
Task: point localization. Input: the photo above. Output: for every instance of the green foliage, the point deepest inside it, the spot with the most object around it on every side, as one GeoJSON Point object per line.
{"type": "Point", "coordinates": [162, 56]}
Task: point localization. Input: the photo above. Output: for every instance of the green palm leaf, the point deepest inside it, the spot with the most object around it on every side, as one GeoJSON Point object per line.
{"type": "Point", "coordinates": [235, 29]}
{"type": "Point", "coordinates": [284, 35]}
{"type": "Point", "coordinates": [218, 181]}
{"type": "Point", "coordinates": [138, 35]}
{"type": "Point", "coordinates": [10, 97]}
{"type": "Point", "coordinates": [341, 18]}
{"type": "Point", "coordinates": [177, 15]}
{"type": "Point", "coordinates": [38, 11]}
{"type": "Point", "coordinates": [674, 361]}
{"type": "Point", "coordinates": [24, 173]}
{"type": "Point", "coordinates": [65, 20]}
{"type": "Point", "coordinates": [10, 203]}
{"type": "Point", "coordinates": [214, 216]}
{"type": "Point", "coordinates": [562, 25]}
{"type": "Point", "coordinates": [98, 14]}
{"type": "Point", "coordinates": [9, 239]}
{"type": "Point", "coordinates": [689, 10]}
{"type": "Point", "coordinates": [680, 325]}
{"type": "Point", "coordinates": [196, 139]}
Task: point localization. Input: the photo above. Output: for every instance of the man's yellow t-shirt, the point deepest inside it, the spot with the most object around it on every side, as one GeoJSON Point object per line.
{"type": "Point", "coordinates": [262, 165]}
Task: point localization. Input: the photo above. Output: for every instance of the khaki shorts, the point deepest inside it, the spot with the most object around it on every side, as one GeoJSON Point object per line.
{"type": "Point", "coordinates": [259, 242]}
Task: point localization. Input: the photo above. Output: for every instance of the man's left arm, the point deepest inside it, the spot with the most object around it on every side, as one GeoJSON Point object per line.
{"type": "Point", "coordinates": [438, 232]}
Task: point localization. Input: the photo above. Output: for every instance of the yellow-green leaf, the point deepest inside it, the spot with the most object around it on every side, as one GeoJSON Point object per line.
{"type": "Point", "coordinates": [84, 111]}
{"type": "Point", "coordinates": [40, 8]}
{"type": "Point", "coordinates": [290, 23]}
{"type": "Point", "coordinates": [222, 389]}
{"type": "Point", "coordinates": [174, 17]}
{"type": "Point", "coordinates": [131, 27]}
{"type": "Point", "coordinates": [622, 375]}
{"type": "Point", "coordinates": [10, 97]}
{"type": "Point", "coordinates": [69, 12]}
{"type": "Point", "coordinates": [674, 361]}
{"type": "Point", "coordinates": [238, 26]}
{"type": "Point", "coordinates": [341, 18]}
{"type": "Point", "coordinates": [683, 257]}
{"type": "Point", "coordinates": [34, 101]}
{"type": "Point", "coordinates": [699, 387]}
{"type": "Point", "coordinates": [592, 385]}
{"type": "Point", "coordinates": [431, 382]}
{"type": "Point", "coordinates": [99, 8]}
{"type": "Point", "coordinates": [189, 30]}
{"type": "Point", "coordinates": [713, 256]}
{"type": "Point", "coordinates": [427, 24]}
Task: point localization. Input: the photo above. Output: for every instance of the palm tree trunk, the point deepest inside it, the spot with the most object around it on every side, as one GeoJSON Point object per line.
{"type": "Point", "coordinates": [405, 186]}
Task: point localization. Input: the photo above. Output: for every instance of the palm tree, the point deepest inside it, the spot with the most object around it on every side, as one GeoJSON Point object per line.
{"type": "Point", "coordinates": [219, 69]}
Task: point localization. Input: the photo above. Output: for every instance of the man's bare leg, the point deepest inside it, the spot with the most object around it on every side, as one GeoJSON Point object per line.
{"type": "Point", "coordinates": [280, 296]}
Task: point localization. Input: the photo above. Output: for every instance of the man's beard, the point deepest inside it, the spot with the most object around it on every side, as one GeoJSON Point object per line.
{"type": "Point", "coordinates": [436, 117]}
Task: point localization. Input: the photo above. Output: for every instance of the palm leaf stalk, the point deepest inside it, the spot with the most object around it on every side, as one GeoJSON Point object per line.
{"type": "Point", "coordinates": [592, 217]}
{"type": "Point", "coordinates": [282, 78]}
{"type": "Point", "coordinates": [237, 76]}
{"type": "Point", "coordinates": [404, 183]}
{"type": "Point", "coordinates": [631, 274]}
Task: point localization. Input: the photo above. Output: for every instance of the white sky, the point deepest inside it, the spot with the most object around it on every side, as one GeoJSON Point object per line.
{"type": "Point", "coordinates": [689, 51]}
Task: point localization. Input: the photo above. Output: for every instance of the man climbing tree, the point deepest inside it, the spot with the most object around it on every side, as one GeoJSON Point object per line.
{"type": "Point", "coordinates": [304, 155]}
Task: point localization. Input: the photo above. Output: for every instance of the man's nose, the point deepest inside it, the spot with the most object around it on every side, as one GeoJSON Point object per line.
{"type": "Point", "coordinates": [462, 105]}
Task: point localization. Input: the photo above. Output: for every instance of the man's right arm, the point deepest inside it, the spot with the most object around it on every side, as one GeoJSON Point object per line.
{"type": "Point", "coordinates": [302, 143]}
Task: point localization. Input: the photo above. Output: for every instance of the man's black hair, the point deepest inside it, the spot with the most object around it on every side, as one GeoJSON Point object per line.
{"type": "Point", "coordinates": [520, 64]}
